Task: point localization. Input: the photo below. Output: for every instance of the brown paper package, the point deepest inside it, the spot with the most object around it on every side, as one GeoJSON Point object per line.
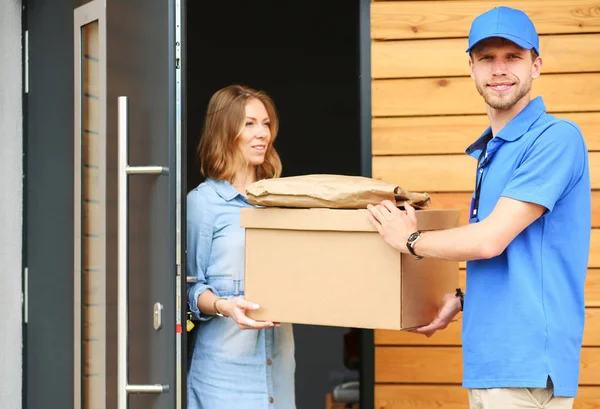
{"type": "Point", "coordinates": [330, 191]}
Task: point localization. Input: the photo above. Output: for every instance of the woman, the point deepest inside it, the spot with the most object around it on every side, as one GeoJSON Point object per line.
{"type": "Point", "coordinates": [237, 362]}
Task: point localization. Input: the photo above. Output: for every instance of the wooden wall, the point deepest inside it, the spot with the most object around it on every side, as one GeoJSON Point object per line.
{"type": "Point", "coordinates": [426, 111]}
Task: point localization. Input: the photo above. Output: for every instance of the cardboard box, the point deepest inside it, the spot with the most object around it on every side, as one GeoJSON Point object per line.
{"type": "Point", "coordinates": [331, 267]}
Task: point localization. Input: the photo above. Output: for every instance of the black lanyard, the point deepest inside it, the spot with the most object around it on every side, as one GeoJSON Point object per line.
{"type": "Point", "coordinates": [478, 182]}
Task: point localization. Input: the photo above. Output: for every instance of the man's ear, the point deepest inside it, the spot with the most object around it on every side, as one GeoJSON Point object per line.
{"type": "Point", "coordinates": [471, 67]}
{"type": "Point", "coordinates": [536, 67]}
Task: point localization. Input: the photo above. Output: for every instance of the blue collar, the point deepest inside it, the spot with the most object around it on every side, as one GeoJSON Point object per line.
{"type": "Point", "coordinates": [513, 130]}
{"type": "Point", "coordinates": [223, 189]}
{"type": "Point", "coordinates": [476, 147]}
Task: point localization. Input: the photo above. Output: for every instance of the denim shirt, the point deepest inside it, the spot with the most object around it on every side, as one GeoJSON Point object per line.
{"type": "Point", "coordinates": [230, 368]}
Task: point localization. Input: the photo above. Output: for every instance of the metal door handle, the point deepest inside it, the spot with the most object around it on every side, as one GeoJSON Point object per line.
{"type": "Point", "coordinates": [191, 279]}
{"type": "Point", "coordinates": [124, 170]}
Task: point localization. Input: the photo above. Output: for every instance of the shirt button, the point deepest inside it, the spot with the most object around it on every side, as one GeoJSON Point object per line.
{"type": "Point", "coordinates": [271, 400]}
{"type": "Point", "coordinates": [269, 362]}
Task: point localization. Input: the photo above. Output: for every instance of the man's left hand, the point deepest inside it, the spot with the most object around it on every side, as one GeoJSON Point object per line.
{"type": "Point", "coordinates": [450, 307]}
{"type": "Point", "coordinates": [393, 224]}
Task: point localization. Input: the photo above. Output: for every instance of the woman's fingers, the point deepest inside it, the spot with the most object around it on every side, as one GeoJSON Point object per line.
{"type": "Point", "coordinates": [251, 324]}
{"type": "Point", "coordinates": [246, 305]}
{"type": "Point", "coordinates": [245, 322]}
{"type": "Point", "coordinates": [248, 323]}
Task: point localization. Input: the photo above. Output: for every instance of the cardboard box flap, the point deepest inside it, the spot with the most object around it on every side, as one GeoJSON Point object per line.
{"type": "Point", "coordinates": [335, 220]}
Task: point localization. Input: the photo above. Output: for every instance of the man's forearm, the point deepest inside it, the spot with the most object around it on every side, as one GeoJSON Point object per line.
{"type": "Point", "coordinates": [470, 242]}
{"type": "Point", "coordinates": [482, 240]}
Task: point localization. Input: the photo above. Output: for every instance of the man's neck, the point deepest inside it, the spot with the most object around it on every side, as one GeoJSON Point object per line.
{"type": "Point", "coordinates": [500, 117]}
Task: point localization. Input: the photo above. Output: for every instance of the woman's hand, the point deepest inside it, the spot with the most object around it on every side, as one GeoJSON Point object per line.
{"type": "Point", "coordinates": [236, 309]}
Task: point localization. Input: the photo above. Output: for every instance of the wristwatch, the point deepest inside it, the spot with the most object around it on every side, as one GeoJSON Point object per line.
{"type": "Point", "coordinates": [461, 296]}
{"type": "Point", "coordinates": [410, 243]}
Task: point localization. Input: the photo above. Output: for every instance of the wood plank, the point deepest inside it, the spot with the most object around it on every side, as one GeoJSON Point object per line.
{"type": "Point", "coordinates": [431, 135]}
{"type": "Point", "coordinates": [449, 336]}
{"type": "Point", "coordinates": [462, 201]}
{"type": "Point", "coordinates": [447, 19]}
{"type": "Point", "coordinates": [421, 58]}
{"type": "Point", "coordinates": [420, 397]}
{"type": "Point", "coordinates": [452, 334]}
{"type": "Point", "coordinates": [594, 261]}
{"type": "Point", "coordinates": [454, 397]}
{"type": "Point", "coordinates": [419, 365]}
{"type": "Point", "coordinates": [448, 173]}
{"type": "Point", "coordinates": [592, 288]}
{"type": "Point", "coordinates": [443, 173]}
{"type": "Point", "coordinates": [458, 95]}
{"type": "Point", "coordinates": [595, 209]}
{"type": "Point", "coordinates": [453, 134]}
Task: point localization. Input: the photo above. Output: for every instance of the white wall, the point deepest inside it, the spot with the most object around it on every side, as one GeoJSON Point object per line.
{"type": "Point", "coordinates": [11, 204]}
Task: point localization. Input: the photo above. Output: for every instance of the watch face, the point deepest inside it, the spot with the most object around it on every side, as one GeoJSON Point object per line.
{"type": "Point", "coordinates": [413, 236]}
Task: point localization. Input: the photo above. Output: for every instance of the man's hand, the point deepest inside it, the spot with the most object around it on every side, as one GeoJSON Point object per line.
{"type": "Point", "coordinates": [393, 224]}
{"type": "Point", "coordinates": [450, 307]}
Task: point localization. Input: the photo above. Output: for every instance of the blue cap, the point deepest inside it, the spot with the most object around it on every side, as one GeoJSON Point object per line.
{"type": "Point", "coordinates": [511, 24]}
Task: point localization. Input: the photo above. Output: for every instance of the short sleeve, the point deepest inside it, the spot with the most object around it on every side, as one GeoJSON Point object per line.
{"type": "Point", "coordinates": [551, 167]}
{"type": "Point", "coordinates": [199, 224]}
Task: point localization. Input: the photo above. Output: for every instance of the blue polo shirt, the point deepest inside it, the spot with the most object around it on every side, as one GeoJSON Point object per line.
{"type": "Point", "coordinates": [524, 310]}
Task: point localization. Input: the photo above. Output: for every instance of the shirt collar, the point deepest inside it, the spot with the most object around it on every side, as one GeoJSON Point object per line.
{"type": "Point", "coordinates": [223, 189]}
{"type": "Point", "coordinates": [476, 147]}
{"type": "Point", "coordinates": [516, 128]}
{"type": "Point", "coordinates": [521, 123]}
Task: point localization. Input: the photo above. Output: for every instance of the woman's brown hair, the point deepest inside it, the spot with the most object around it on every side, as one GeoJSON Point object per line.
{"type": "Point", "coordinates": [218, 152]}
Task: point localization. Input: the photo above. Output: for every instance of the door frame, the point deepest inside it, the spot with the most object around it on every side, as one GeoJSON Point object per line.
{"type": "Point", "coordinates": [47, 204]}
{"type": "Point", "coordinates": [367, 341]}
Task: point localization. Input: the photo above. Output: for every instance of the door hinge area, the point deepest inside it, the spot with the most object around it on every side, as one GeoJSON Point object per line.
{"type": "Point", "coordinates": [25, 295]}
{"type": "Point", "coordinates": [26, 63]}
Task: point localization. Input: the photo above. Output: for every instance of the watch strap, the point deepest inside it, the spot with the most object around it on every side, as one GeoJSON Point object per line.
{"type": "Point", "coordinates": [461, 297]}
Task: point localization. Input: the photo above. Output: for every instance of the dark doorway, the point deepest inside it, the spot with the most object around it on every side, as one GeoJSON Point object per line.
{"type": "Point", "coordinates": [306, 56]}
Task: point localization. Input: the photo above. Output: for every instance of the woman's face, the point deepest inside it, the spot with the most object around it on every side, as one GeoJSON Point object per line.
{"type": "Point", "coordinates": [256, 134]}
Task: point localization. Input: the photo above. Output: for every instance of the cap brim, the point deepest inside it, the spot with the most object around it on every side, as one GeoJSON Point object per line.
{"type": "Point", "coordinates": [518, 41]}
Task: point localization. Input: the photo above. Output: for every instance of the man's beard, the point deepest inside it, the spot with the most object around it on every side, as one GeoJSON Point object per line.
{"type": "Point", "coordinates": [493, 100]}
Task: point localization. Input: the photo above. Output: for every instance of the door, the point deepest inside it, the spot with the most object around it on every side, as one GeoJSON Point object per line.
{"type": "Point", "coordinates": [128, 205]}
